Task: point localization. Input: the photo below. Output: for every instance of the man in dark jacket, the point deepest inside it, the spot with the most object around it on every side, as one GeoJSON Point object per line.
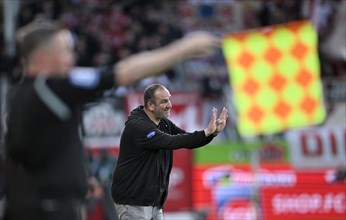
{"type": "Point", "coordinates": [141, 176]}
{"type": "Point", "coordinates": [45, 172]}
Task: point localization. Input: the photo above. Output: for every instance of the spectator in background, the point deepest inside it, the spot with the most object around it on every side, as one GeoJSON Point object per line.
{"type": "Point", "coordinates": [340, 174]}
{"type": "Point", "coordinates": [141, 177]}
{"type": "Point", "coordinates": [333, 44]}
{"type": "Point", "coordinates": [94, 201]}
{"type": "Point", "coordinates": [103, 173]}
{"type": "Point", "coordinates": [45, 172]}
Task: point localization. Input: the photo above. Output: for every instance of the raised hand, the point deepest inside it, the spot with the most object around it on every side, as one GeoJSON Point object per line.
{"type": "Point", "coordinates": [221, 121]}
{"type": "Point", "coordinates": [212, 124]}
{"type": "Point", "coordinates": [215, 126]}
{"type": "Point", "coordinates": [200, 43]}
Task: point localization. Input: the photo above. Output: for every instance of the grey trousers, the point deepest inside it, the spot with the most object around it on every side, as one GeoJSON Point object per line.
{"type": "Point", "coordinates": [130, 212]}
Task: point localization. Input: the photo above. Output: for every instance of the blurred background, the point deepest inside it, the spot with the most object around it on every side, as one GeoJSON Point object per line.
{"type": "Point", "coordinates": [296, 174]}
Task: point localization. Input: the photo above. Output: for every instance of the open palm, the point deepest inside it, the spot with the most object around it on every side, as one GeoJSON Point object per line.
{"type": "Point", "coordinates": [215, 126]}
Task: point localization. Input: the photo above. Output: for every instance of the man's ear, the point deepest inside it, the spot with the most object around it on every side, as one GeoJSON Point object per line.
{"type": "Point", "coordinates": [151, 106]}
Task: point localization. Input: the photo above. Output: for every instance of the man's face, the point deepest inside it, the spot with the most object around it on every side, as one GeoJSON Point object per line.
{"type": "Point", "coordinates": [162, 105]}
{"type": "Point", "coordinates": [61, 57]}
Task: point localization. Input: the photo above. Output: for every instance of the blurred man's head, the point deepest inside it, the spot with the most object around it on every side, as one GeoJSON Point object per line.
{"type": "Point", "coordinates": [157, 101]}
{"type": "Point", "coordinates": [45, 48]}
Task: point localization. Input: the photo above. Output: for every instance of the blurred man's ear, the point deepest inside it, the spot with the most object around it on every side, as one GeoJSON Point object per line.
{"type": "Point", "coordinates": [39, 57]}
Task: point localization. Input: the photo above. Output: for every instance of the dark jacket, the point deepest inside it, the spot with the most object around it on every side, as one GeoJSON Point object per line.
{"type": "Point", "coordinates": [141, 176]}
{"type": "Point", "coordinates": [44, 153]}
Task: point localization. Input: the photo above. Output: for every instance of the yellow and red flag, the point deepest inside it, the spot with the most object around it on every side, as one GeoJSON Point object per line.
{"type": "Point", "coordinates": [275, 75]}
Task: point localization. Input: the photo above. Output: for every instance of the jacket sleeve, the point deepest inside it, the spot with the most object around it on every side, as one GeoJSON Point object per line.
{"type": "Point", "coordinates": [83, 84]}
{"type": "Point", "coordinates": [148, 136]}
{"type": "Point", "coordinates": [175, 129]}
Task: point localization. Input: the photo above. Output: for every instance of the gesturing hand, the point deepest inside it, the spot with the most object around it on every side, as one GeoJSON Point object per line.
{"type": "Point", "coordinates": [221, 121]}
{"type": "Point", "coordinates": [200, 42]}
{"type": "Point", "coordinates": [215, 126]}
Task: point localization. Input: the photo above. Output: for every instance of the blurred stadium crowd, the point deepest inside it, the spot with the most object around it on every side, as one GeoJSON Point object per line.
{"type": "Point", "coordinates": [111, 30]}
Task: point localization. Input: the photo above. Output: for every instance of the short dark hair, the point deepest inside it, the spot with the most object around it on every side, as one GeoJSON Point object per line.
{"type": "Point", "coordinates": [149, 93]}
{"type": "Point", "coordinates": [35, 35]}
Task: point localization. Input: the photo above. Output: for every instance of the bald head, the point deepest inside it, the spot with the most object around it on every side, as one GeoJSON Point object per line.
{"type": "Point", "coordinates": [149, 93]}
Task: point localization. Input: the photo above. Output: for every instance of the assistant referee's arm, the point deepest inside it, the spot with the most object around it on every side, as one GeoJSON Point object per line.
{"type": "Point", "coordinates": [141, 65]}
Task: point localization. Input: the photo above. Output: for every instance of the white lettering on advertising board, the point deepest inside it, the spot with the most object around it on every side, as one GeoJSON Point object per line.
{"type": "Point", "coordinates": [305, 203]}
